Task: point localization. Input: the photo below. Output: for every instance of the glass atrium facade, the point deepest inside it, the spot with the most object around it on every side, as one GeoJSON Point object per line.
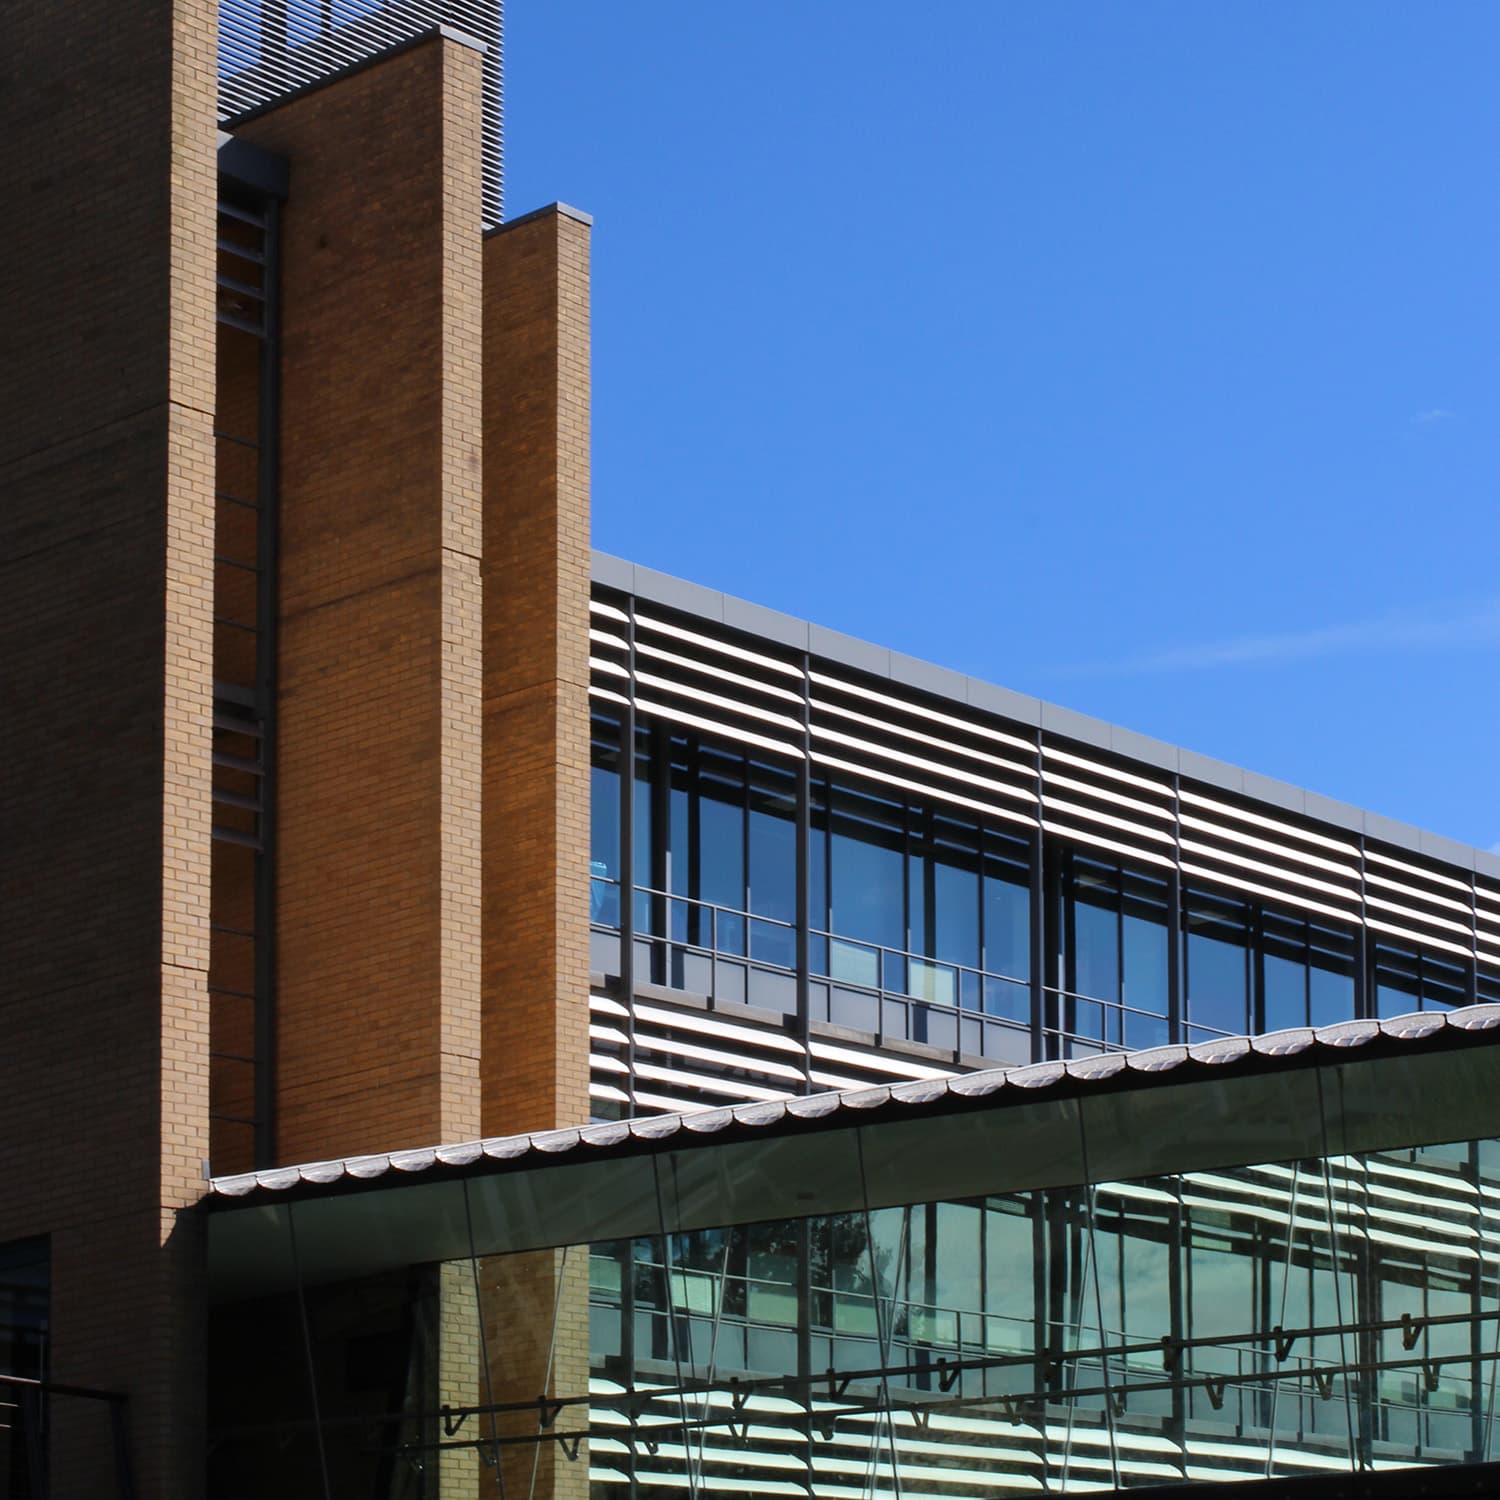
{"type": "Point", "coordinates": [1265, 1271]}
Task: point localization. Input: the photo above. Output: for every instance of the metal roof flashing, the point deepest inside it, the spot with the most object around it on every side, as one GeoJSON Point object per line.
{"type": "Point", "coordinates": [1419, 1033]}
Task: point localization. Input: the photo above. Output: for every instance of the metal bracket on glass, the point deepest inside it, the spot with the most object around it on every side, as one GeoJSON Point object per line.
{"type": "Point", "coordinates": [1171, 1352]}
{"type": "Point", "coordinates": [838, 1384]}
{"type": "Point", "coordinates": [1429, 1375]}
{"type": "Point", "coordinates": [1284, 1342]}
{"type": "Point", "coordinates": [921, 1419]}
{"type": "Point", "coordinates": [947, 1375]}
{"type": "Point", "coordinates": [1411, 1330]}
{"type": "Point", "coordinates": [739, 1432]}
{"type": "Point", "coordinates": [1117, 1402]}
{"type": "Point", "coordinates": [1323, 1383]}
{"type": "Point", "coordinates": [1012, 1409]}
{"type": "Point", "coordinates": [1215, 1390]}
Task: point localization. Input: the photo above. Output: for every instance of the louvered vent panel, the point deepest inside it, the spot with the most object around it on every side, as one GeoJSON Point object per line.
{"type": "Point", "coordinates": [702, 682]}
{"type": "Point", "coordinates": [1416, 903]}
{"type": "Point", "coordinates": [609, 653]}
{"type": "Point", "coordinates": [1105, 806]}
{"type": "Point", "coordinates": [1268, 857]}
{"type": "Point", "coordinates": [655, 1057]}
{"type": "Point", "coordinates": [904, 743]}
{"type": "Point", "coordinates": [1487, 924]}
{"type": "Point", "coordinates": [270, 48]}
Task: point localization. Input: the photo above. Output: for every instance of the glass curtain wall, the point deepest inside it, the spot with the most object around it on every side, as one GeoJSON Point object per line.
{"type": "Point", "coordinates": [1252, 969]}
{"type": "Point", "coordinates": [1118, 1291]}
{"type": "Point", "coordinates": [920, 918]}
{"type": "Point", "coordinates": [919, 922]}
{"type": "Point", "coordinates": [1113, 955]}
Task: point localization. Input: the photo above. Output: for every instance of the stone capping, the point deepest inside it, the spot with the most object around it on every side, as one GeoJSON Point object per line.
{"type": "Point", "coordinates": [1324, 1046]}
{"type": "Point", "coordinates": [547, 210]}
{"type": "Point", "coordinates": [976, 695]}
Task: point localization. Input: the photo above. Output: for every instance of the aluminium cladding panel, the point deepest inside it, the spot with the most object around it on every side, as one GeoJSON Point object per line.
{"type": "Point", "coordinates": [269, 49]}
{"type": "Point", "coordinates": [694, 672]}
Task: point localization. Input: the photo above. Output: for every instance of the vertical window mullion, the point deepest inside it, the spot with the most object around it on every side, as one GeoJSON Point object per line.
{"type": "Point", "coordinates": [1119, 995]}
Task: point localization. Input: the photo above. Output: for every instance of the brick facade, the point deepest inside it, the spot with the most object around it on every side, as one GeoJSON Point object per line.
{"type": "Point", "coordinates": [536, 738]}
{"type": "Point", "coordinates": [432, 697]}
{"type": "Point", "coordinates": [106, 469]}
{"type": "Point", "coordinates": [379, 631]}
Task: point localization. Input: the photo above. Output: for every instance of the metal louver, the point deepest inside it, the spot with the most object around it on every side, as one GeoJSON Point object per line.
{"type": "Point", "coordinates": [270, 48]}
{"type": "Point", "coordinates": [705, 677]}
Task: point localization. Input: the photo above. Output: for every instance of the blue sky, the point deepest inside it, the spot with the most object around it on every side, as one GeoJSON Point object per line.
{"type": "Point", "coordinates": [1145, 358]}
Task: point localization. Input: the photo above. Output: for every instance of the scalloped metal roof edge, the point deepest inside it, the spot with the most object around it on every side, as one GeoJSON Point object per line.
{"type": "Point", "coordinates": [1420, 1026]}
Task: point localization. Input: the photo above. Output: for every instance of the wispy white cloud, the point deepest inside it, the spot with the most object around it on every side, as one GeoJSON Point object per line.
{"type": "Point", "coordinates": [1433, 416]}
{"type": "Point", "coordinates": [1439, 628]}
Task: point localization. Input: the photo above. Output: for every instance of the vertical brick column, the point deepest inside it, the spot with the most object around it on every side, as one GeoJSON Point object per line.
{"type": "Point", "coordinates": [106, 473]}
{"type": "Point", "coordinates": [378, 856]}
{"type": "Point", "coordinates": [536, 737]}
{"type": "Point", "coordinates": [536, 1312]}
{"type": "Point", "coordinates": [536, 786]}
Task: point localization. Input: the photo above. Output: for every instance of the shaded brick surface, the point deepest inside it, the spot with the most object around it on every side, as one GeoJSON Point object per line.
{"type": "Point", "coordinates": [106, 474]}
{"type": "Point", "coordinates": [379, 692]}
{"type": "Point", "coordinates": [536, 742]}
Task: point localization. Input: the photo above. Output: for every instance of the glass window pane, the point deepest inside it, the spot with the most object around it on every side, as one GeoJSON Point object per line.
{"type": "Point", "coordinates": [1331, 997]}
{"type": "Point", "coordinates": [604, 845]}
{"type": "Point", "coordinates": [918, 894]}
{"type": "Point", "coordinates": [1010, 1268]}
{"type": "Point", "coordinates": [929, 981]}
{"type": "Point", "coordinates": [956, 889]}
{"type": "Point", "coordinates": [1096, 939]}
{"type": "Point", "coordinates": [1007, 924]}
{"type": "Point", "coordinates": [773, 865]}
{"type": "Point", "coordinates": [641, 824]}
{"type": "Point", "coordinates": [818, 896]}
{"type": "Point", "coordinates": [1217, 955]}
{"type": "Point", "coordinates": [1146, 964]}
{"type": "Point", "coordinates": [866, 882]}
{"type": "Point", "coordinates": [678, 856]}
{"type": "Point", "coordinates": [721, 864]}
{"type": "Point", "coordinates": [1397, 986]}
{"type": "Point", "coordinates": [1286, 993]}
{"type": "Point", "coordinates": [1330, 976]}
{"type": "Point", "coordinates": [721, 846]}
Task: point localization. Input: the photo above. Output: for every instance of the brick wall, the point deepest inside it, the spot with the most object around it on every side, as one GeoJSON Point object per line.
{"type": "Point", "coordinates": [537, 1336]}
{"type": "Point", "coordinates": [378, 859]}
{"type": "Point", "coordinates": [536, 741]}
{"type": "Point", "coordinates": [106, 472]}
